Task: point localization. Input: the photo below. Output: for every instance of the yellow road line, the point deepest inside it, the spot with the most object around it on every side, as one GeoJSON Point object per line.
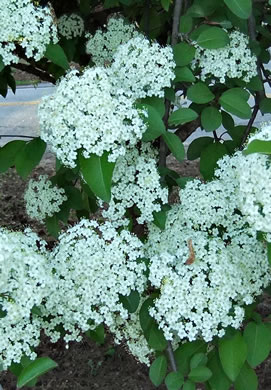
{"type": "Point", "coordinates": [29, 103]}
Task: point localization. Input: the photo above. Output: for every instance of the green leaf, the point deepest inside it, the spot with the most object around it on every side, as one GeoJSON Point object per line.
{"type": "Point", "coordinates": [156, 339]}
{"type": "Point", "coordinates": [265, 106]}
{"type": "Point", "coordinates": [97, 172]}
{"type": "Point", "coordinates": [199, 359]}
{"type": "Point", "coordinates": [182, 116]}
{"type": "Point", "coordinates": [200, 374]}
{"type": "Point", "coordinates": [155, 125]}
{"type": "Point", "coordinates": [85, 7]}
{"type": "Point", "coordinates": [184, 74]}
{"type": "Point", "coordinates": [199, 93]}
{"type": "Point", "coordinates": [39, 367]}
{"type": "Point", "coordinates": [165, 4]}
{"type": "Point", "coordinates": [211, 118]}
{"type": "Point", "coordinates": [233, 102]}
{"type": "Point", "coordinates": [258, 146]}
{"type": "Point", "coordinates": [227, 121]}
{"type": "Point", "coordinates": [157, 103]}
{"type": "Point", "coordinates": [233, 354]}
{"type": "Point", "coordinates": [52, 226]}
{"type": "Point", "coordinates": [158, 370]}
{"type": "Point", "coordinates": [29, 156]}
{"type": "Point", "coordinates": [8, 154]}
{"type": "Point", "coordinates": [209, 157]}
{"type": "Point", "coordinates": [146, 321]}
{"type": "Point", "coordinates": [241, 8]}
{"type": "Point", "coordinates": [97, 335]}
{"type": "Point", "coordinates": [56, 54]}
{"type": "Point", "coordinates": [219, 379]}
{"type": "Point", "coordinates": [75, 200]}
{"type": "Point", "coordinates": [197, 146]}
{"type": "Point", "coordinates": [175, 145]}
{"type": "Point", "coordinates": [184, 353]}
{"type": "Point", "coordinates": [189, 386]}
{"type": "Point", "coordinates": [213, 38]}
{"type": "Point", "coordinates": [183, 53]}
{"type": "Point", "coordinates": [174, 381]}
{"type": "Point", "coordinates": [186, 24]}
{"type": "Point", "coordinates": [160, 218]}
{"type": "Point", "coordinates": [130, 302]}
{"type": "Point", "coordinates": [2, 65]}
{"type": "Point", "coordinates": [257, 338]}
{"type": "Point", "coordinates": [204, 8]}
{"type": "Point", "coordinates": [247, 379]}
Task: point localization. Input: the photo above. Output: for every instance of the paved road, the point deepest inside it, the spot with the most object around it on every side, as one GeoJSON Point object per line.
{"type": "Point", "coordinates": [18, 113]}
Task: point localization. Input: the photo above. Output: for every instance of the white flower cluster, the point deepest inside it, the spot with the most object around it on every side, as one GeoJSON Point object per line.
{"type": "Point", "coordinates": [43, 199]}
{"type": "Point", "coordinates": [93, 265]}
{"type": "Point", "coordinates": [142, 68]}
{"type": "Point", "coordinates": [85, 114]}
{"type": "Point", "coordinates": [130, 332]}
{"type": "Point", "coordinates": [136, 181]}
{"type": "Point", "coordinates": [207, 267]}
{"type": "Point", "coordinates": [25, 24]}
{"type": "Point", "coordinates": [103, 45]}
{"type": "Point", "coordinates": [70, 26]}
{"type": "Point", "coordinates": [25, 280]}
{"type": "Point", "coordinates": [235, 60]}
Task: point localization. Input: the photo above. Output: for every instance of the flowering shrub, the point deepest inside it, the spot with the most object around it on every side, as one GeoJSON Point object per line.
{"type": "Point", "coordinates": [175, 282]}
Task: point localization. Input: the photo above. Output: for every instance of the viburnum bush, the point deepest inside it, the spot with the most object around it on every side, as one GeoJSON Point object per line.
{"type": "Point", "coordinates": [176, 282]}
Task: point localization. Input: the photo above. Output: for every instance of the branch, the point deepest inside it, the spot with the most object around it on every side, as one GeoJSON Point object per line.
{"type": "Point", "coordinates": [37, 72]}
{"type": "Point", "coordinates": [184, 131]}
{"type": "Point", "coordinates": [171, 357]}
{"type": "Point", "coordinates": [249, 126]}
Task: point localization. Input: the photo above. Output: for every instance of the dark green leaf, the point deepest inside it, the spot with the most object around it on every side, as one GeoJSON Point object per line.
{"type": "Point", "coordinates": [184, 353]}
{"type": "Point", "coordinates": [241, 8]}
{"type": "Point", "coordinates": [158, 370]}
{"type": "Point", "coordinates": [160, 218]}
{"type": "Point", "coordinates": [183, 53]}
{"type": "Point", "coordinates": [130, 302]}
{"type": "Point", "coordinates": [75, 200]}
{"type": "Point", "coordinates": [182, 116]}
{"type": "Point", "coordinates": [165, 4]}
{"type": "Point", "coordinates": [184, 74]}
{"type": "Point", "coordinates": [56, 54]}
{"type": "Point", "coordinates": [219, 379]}
{"type": "Point", "coordinates": [204, 8]}
{"type": "Point", "coordinates": [8, 154]}
{"type": "Point", "coordinates": [146, 321]}
{"type": "Point", "coordinates": [2, 65]}
{"type": "Point", "coordinates": [37, 368]}
{"type": "Point", "coordinates": [258, 146]}
{"type": "Point", "coordinates": [186, 24]}
{"type": "Point", "coordinates": [157, 103]}
{"type": "Point", "coordinates": [233, 102]}
{"type": "Point", "coordinates": [209, 157]}
{"type": "Point", "coordinates": [97, 335]}
{"type": "Point", "coordinates": [199, 93]}
{"type": "Point", "coordinates": [213, 38]}
{"type": "Point", "coordinates": [189, 386]}
{"type": "Point", "coordinates": [197, 146]}
{"type": "Point", "coordinates": [174, 381]}
{"type": "Point", "coordinates": [199, 359]}
{"type": "Point", "coordinates": [175, 145]}
{"type": "Point", "coordinates": [227, 121]}
{"type": "Point", "coordinates": [97, 172]}
{"type": "Point", "coordinates": [52, 226]}
{"type": "Point", "coordinates": [265, 106]}
{"type": "Point", "coordinates": [154, 122]}
{"type": "Point", "coordinates": [211, 118]}
{"type": "Point", "coordinates": [29, 157]}
{"type": "Point", "coordinates": [233, 354]}
{"type": "Point", "coordinates": [247, 379]}
{"type": "Point", "coordinates": [156, 339]}
{"type": "Point", "coordinates": [200, 374]}
{"type": "Point", "coordinates": [85, 7]}
{"type": "Point", "coordinates": [258, 340]}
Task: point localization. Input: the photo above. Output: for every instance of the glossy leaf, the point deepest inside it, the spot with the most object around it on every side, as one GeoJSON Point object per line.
{"type": "Point", "coordinates": [155, 102]}
{"type": "Point", "coordinates": [211, 118]}
{"type": "Point", "coordinates": [158, 370]}
{"type": "Point", "coordinates": [175, 145]}
{"type": "Point", "coordinates": [213, 38]}
{"type": "Point", "coordinates": [56, 54]}
{"type": "Point", "coordinates": [174, 381]}
{"type": "Point", "coordinates": [37, 368]}
{"type": "Point", "coordinates": [258, 340]}
{"type": "Point", "coordinates": [182, 116]}
{"type": "Point", "coordinates": [29, 157]}
{"type": "Point", "coordinates": [97, 172]}
{"type": "Point", "coordinates": [184, 74]}
{"type": "Point", "coordinates": [199, 93]}
{"type": "Point", "coordinates": [197, 146]}
{"type": "Point", "coordinates": [233, 102]}
{"type": "Point", "coordinates": [183, 53]}
{"type": "Point", "coordinates": [247, 379]}
{"type": "Point", "coordinates": [8, 154]}
{"type": "Point", "coordinates": [258, 146]}
{"type": "Point", "coordinates": [233, 354]}
{"type": "Point", "coordinates": [241, 8]}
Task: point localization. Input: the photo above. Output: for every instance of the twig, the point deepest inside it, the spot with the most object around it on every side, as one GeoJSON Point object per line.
{"type": "Point", "coordinates": [171, 357]}
{"type": "Point", "coordinates": [16, 136]}
{"type": "Point", "coordinates": [249, 126]}
{"type": "Point", "coordinates": [36, 72]}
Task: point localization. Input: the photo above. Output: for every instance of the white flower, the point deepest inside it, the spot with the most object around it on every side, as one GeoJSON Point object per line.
{"type": "Point", "coordinates": [235, 60]}
{"type": "Point", "coordinates": [103, 45]}
{"type": "Point", "coordinates": [85, 114]}
{"type": "Point", "coordinates": [70, 26]}
{"type": "Point", "coordinates": [43, 199]}
{"type": "Point", "coordinates": [93, 265]}
{"type": "Point", "coordinates": [25, 280]}
{"type": "Point", "coordinates": [136, 181]}
{"type": "Point", "coordinates": [207, 263]}
{"type": "Point", "coordinates": [28, 25]}
{"type": "Point", "coordinates": [142, 68]}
